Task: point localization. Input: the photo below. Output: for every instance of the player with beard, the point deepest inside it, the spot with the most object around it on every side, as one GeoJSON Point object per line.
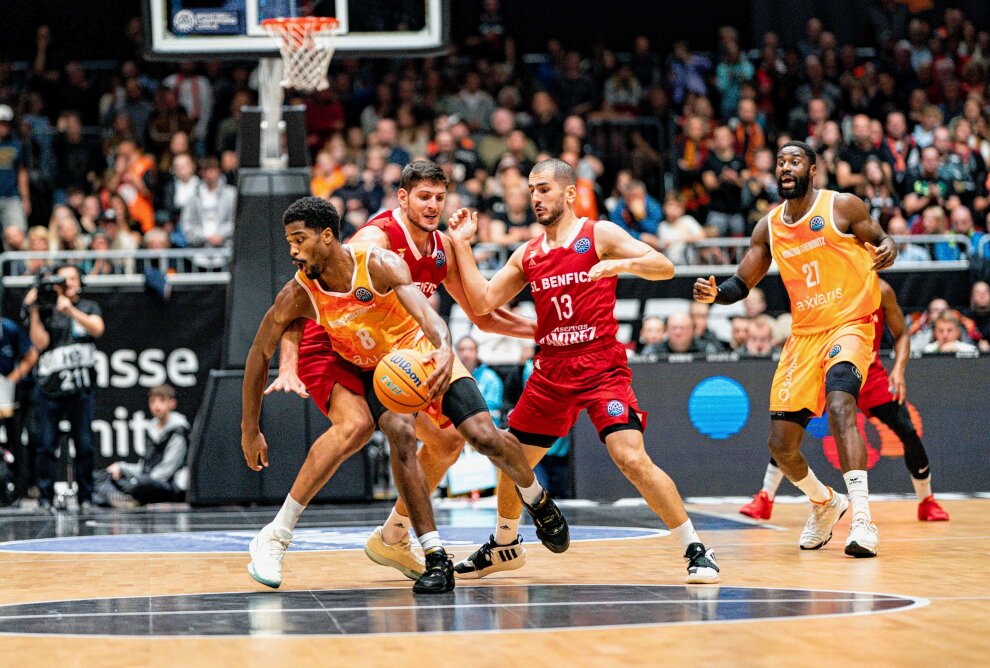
{"type": "Point", "coordinates": [828, 250]}
{"type": "Point", "coordinates": [310, 367]}
{"type": "Point", "coordinates": [571, 270]}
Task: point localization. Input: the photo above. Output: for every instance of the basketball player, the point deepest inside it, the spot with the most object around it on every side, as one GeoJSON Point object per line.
{"type": "Point", "coordinates": [365, 296]}
{"type": "Point", "coordinates": [882, 397]}
{"type": "Point", "coordinates": [571, 270]}
{"type": "Point", "coordinates": [829, 251]}
{"type": "Point", "coordinates": [411, 232]}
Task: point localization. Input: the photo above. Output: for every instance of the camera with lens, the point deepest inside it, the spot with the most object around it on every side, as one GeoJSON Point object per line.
{"type": "Point", "coordinates": [48, 293]}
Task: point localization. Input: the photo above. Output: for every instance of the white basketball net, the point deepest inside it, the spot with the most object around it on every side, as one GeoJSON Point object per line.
{"type": "Point", "coordinates": [307, 46]}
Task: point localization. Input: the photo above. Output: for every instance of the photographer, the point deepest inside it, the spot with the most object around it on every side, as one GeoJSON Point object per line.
{"type": "Point", "coordinates": [64, 328]}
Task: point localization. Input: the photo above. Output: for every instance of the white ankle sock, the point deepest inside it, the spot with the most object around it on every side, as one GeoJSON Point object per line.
{"type": "Point", "coordinates": [288, 515]}
{"type": "Point", "coordinates": [813, 487]}
{"type": "Point", "coordinates": [772, 479]}
{"type": "Point", "coordinates": [506, 530]}
{"type": "Point", "coordinates": [395, 528]}
{"type": "Point", "coordinates": [923, 487]}
{"type": "Point", "coordinates": [532, 493]}
{"type": "Point", "coordinates": [859, 492]}
{"type": "Point", "coordinates": [686, 534]}
{"type": "Point", "coordinates": [430, 542]}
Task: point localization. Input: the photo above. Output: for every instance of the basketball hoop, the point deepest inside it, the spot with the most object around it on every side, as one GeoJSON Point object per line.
{"type": "Point", "coordinates": [306, 44]}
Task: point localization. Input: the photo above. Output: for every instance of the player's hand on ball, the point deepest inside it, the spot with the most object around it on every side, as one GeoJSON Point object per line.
{"type": "Point", "coordinates": [439, 380]}
{"type": "Point", "coordinates": [705, 291]}
{"type": "Point", "coordinates": [288, 382]}
{"type": "Point", "coordinates": [463, 225]}
{"type": "Point", "coordinates": [604, 269]}
{"type": "Point", "coordinates": [255, 449]}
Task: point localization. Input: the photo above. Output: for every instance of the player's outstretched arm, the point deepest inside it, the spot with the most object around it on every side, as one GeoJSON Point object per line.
{"type": "Point", "coordinates": [291, 303]}
{"type": "Point", "coordinates": [894, 316]}
{"type": "Point", "coordinates": [754, 266]}
{"type": "Point", "coordinates": [500, 321]}
{"type": "Point", "coordinates": [288, 363]}
{"type": "Point", "coordinates": [484, 296]}
{"type": "Point", "coordinates": [388, 270]}
{"type": "Point", "coordinates": [852, 215]}
{"type": "Point", "coordinates": [620, 253]}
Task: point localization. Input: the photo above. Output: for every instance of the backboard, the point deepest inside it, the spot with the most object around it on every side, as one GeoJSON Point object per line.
{"type": "Point", "coordinates": [231, 29]}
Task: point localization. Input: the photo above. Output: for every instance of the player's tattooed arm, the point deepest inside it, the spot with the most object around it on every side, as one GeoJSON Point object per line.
{"type": "Point", "coordinates": [388, 270]}
{"type": "Point", "coordinates": [853, 216]}
{"type": "Point", "coordinates": [484, 296]}
{"type": "Point", "coordinates": [288, 363]}
{"type": "Point", "coordinates": [620, 253]}
{"type": "Point", "coordinates": [754, 266]}
{"type": "Point", "coordinates": [291, 304]}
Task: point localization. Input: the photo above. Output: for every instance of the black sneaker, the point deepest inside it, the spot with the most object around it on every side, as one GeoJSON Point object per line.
{"type": "Point", "coordinates": [702, 568]}
{"type": "Point", "coordinates": [438, 578]}
{"type": "Point", "coordinates": [551, 527]}
{"type": "Point", "coordinates": [492, 558]}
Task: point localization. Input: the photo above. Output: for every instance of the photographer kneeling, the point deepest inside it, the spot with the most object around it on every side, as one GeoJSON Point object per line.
{"type": "Point", "coordinates": [64, 329]}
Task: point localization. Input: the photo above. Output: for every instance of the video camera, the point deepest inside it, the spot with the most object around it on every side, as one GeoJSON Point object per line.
{"type": "Point", "coordinates": [48, 292]}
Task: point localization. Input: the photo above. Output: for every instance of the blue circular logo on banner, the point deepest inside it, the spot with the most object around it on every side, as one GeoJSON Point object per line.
{"type": "Point", "coordinates": [836, 349]}
{"type": "Point", "coordinates": [615, 408]}
{"type": "Point", "coordinates": [817, 223]}
{"type": "Point", "coordinates": [441, 259]}
{"type": "Point", "coordinates": [818, 426]}
{"type": "Point", "coordinates": [582, 245]}
{"type": "Point", "coordinates": [362, 295]}
{"type": "Point", "coordinates": [718, 407]}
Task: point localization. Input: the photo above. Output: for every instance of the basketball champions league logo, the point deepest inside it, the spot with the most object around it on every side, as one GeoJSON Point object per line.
{"type": "Point", "coordinates": [817, 223]}
{"type": "Point", "coordinates": [441, 259]}
{"type": "Point", "coordinates": [362, 295]}
{"type": "Point", "coordinates": [582, 245]}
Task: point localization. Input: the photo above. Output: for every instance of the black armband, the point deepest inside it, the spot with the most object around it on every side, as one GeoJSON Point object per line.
{"type": "Point", "coordinates": [731, 291]}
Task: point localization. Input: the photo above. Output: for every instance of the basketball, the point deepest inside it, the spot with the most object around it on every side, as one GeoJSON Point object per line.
{"type": "Point", "coordinates": [400, 381]}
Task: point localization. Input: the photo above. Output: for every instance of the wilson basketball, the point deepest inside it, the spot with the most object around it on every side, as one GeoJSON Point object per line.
{"type": "Point", "coordinates": [400, 381]}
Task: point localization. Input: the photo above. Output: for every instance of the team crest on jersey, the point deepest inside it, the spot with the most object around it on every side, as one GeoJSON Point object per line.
{"type": "Point", "coordinates": [401, 252]}
{"type": "Point", "coordinates": [362, 295]}
{"type": "Point", "coordinates": [836, 349]}
{"type": "Point", "coordinates": [615, 408]}
{"type": "Point", "coordinates": [817, 223]}
{"type": "Point", "coordinates": [441, 259]}
{"type": "Point", "coordinates": [582, 245]}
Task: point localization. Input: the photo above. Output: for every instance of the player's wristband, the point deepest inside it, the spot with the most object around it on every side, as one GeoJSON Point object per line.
{"type": "Point", "coordinates": [731, 291]}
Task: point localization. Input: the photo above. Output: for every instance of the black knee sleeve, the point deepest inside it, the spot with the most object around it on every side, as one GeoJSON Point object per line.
{"type": "Point", "coordinates": [898, 419]}
{"type": "Point", "coordinates": [536, 440]}
{"type": "Point", "coordinates": [844, 377]}
{"type": "Point", "coordinates": [799, 418]}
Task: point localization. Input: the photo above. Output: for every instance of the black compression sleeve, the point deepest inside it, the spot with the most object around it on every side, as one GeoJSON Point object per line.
{"type": "Point", "coordinates": [731, 291]}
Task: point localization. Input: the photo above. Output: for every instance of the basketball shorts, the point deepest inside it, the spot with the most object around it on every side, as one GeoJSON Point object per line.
{"type": "Point", "coordinates": [595, 378]}
{"type": "Point", "coordinates": [321, 370]}
{"type": "Point", "coordinates": [799, 382]}
{"type": "Point", "coordinates": [876, 389]}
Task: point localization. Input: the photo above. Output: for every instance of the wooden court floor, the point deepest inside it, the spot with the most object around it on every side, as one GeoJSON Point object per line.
{"type": "Point", "coordinates": [943, 565]}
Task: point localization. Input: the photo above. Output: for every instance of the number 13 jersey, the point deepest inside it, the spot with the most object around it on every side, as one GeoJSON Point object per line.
{"type": "Point", "coordinates": [571, 309]}
{"type": "Point", "coordinates": [828, 274]}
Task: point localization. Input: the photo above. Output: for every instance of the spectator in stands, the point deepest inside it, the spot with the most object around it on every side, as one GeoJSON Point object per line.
{"type": "Point", "coordinates": [576, 92]}
{"type": "Point", "coordinates": [387, 134]}
{"type": "Point", "coordinates": [730, 75]}
{"type": "Point", "coordinates": [722, 177]}
{"type": "Point", "coordinates": [160, 475]}
{"type": "Point", "coordinates": [489, 383]}
{"type": "Point", "coordinates": [472, 104]}
{"type": "Point", "coordinates": [135, 183]}
{"type": "Point", "coordinates": [493, 145]}
{"type": "Point", "coordinates": [924, 131]}
{"type": "Point", "coordinates": [638, 213]}
{"type": "Point", "coordinates": [906, 251]}
{"type": "Point", "coordinates": [688, 72]}
{"type": "Point", "coordinates": [15, 197]}
{"type": "Point", "coordinates": [933, 222]}
{"type": "Point", "coordinates": [195, 94]}
{"type": "Point", "coordinates": [37, 240]}
{"type": "Point", "coordinates": [170, 118]}
{"type": "Point", "coordinates": [924, 185]}
{"type": "Point", "coordinates": [545, 129]}
{"type": "Point", "coordinates": [77, 158]}
{"type": "Point", "coordinates": [651, 335]}
{"type": "Point", "coordinates": [747, 132]}
{"type": "Point", "coordinates": [15, 239]}
{"type": "Point", "coordinates": [176, 189]}
{"type": "Point", "coordinates": [759, 337]}
{"type": "Point", "coordinates": [517, 223]}
{"type": "Point", "coordinates": [63, 231]}
{"type": "Point", "coordinates": [100, 266]}
{"type": "Point", "coordinates": [678, 231]}
{"type": "Point", "coordinates": [699, 316]}
{"type": "Point", "coordinates": [755, 303]}
{"type": "Point", "coordinates": [852, 160]}
{"type": "Point", "coordinates": [759, 191]}
{"type": "Point", "coordinates": [962, 224]}
{"type": "Point", "coordinates": [947, 336]}
{"type": "Point", "coordinates": [740, 332]}
{"type": "Point", "coordinates": [877, 190]}
{"type": "Point", "coordinates": [979, 313]}
{"type": "Point", "coordinates": [207, 220]}
{"type": "Point", "coordinates": [900, 146]}
{"type": "Point", "coordinates": [622, 93]}
{"type": "Point", "coordinates": [681, 337]}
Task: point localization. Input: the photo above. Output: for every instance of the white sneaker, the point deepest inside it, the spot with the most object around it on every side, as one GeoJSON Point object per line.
{"type": "Point", "coordinates": [401, 556]}
{"type": "Point", "coordinates": [492, 558]}
{"type": "Point", "coordinates": [818, 530]}
{"type": "Point", "coordinates": [267, 551]}
{"type": "Point", "coordinates": [863, 537]}
{"type": "Point", "coordinates": [702, 567]}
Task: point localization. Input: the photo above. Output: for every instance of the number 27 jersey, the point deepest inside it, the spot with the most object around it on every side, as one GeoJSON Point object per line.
{"type": "Point", "coordinates": [571, 309]}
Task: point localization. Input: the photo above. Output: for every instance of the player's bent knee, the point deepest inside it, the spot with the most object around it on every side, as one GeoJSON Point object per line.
{"type": "Point", "coordinates": [843, 377]}
{"type": "Point", "coordinates": [630, 458]}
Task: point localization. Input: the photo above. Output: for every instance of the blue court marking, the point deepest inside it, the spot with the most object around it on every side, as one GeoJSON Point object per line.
{"type": "Point", "coordinates": [304, 540]}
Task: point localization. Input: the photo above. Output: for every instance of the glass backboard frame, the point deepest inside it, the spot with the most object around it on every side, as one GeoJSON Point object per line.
{"type": "Point", "coordinates": [162, 44]}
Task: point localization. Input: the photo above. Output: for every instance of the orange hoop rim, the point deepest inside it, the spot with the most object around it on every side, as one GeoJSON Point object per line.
{"type": "Point", "coordinates": [305, 23]}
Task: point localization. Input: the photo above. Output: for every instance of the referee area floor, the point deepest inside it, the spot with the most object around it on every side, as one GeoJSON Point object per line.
{"type": "Point", "coordinates": [168, 586]}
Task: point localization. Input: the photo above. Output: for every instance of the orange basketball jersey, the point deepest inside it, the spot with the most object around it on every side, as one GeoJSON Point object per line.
{"type": "Point", "coordinates": [827, 273]}
{"type": "Point", "coordinates": [364, 325]}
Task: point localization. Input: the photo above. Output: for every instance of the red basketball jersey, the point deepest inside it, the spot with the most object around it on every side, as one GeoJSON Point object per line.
{"type": "Point", "coordinates": [879, 321]}
{"type": "Point", "coordinates": [428, 271]}
{"type": "Point", "coordinates": [570, 308]}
